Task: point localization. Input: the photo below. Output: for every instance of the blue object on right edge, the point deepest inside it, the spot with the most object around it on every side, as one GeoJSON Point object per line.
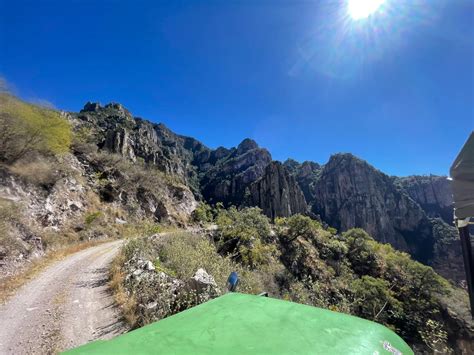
{"type": "Point", "coordinates": [232, 281]}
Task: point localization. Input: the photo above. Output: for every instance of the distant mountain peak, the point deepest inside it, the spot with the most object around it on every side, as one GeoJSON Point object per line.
{"type": "Point", "coordinates": [91, 107]}
{"type": "Point", "coordinates": [246, 145]}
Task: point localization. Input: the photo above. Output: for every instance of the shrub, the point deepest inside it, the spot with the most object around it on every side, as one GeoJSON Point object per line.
{"type": "Point", "coordinates": [435, 337]}
{"type": "Point", "coordinates": [334, 249]}
{"type": "Point", "coordinates": [361, 254]}
{"type": "Point", "coordinates": [203, 213]}
{"type": "Point", "coordinates": [299, 226]}
{"type": "Point", "coordinates": [84, 140]}
{"type": "Point", "coordinates": [25, 128]}
{"type": "Point", "coordinates": [91, 217]}
{"type": "Point", "coordinates": [243, 235]}
{"type": "Point", "coordinates": [373, 298]}
{"type": "Point", "coordinates": [40, 171]}
{"type": "Point", "coordinates": [183, 253]}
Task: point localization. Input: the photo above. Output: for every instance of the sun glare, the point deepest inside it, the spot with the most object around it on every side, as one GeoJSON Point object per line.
{"type": "Point", "coordinates": [359, 9]}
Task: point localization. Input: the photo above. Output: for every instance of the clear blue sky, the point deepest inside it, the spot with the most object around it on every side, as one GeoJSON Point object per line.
{"type": "Point", "coordinates": [301, 78]}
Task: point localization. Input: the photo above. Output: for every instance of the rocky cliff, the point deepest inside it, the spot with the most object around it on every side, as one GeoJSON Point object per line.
{"type": "Point", "coordinates": [117, 131]}
{"type": "Point", "coordinates": [306, 174]}
{"type": "Point", "coordinates": [409, 213]}
{"type": "Point", "coordinates": [228, 172]}
{"type": "Point", "coordinates": [351, 193]}
{"type": "Point", "coordinates": [433, 193]}
{"type": "Point", "coordinates": [219, 175]}
{"type": "Point", "coordinates": [347, 192]}
{"type": "Point", "coordinates": [277, 193]}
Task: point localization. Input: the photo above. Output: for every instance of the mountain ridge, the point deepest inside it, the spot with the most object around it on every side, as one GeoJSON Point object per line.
{"type": "Point", "coordinates": [106, 174]}
{"type": "Point", "coordinates": [345, 192]}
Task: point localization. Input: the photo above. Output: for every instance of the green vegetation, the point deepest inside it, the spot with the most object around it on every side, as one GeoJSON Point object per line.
{"type": "Point", "coordinates": [245, 236]}
{"type": "Point", "coordinates": [26, 128]}
{"type": "Point", "coordinates": [91, 217]}
{"type": "Point", "coordinates": [203, 213]}
{"type": "Point", "coordinates": [297, 259]}
{"type": "Point", "coordinates": [184, 253]}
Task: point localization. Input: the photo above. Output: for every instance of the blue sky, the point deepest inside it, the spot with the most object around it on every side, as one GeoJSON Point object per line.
{"type": "Point", "coordinates": [300, 77]}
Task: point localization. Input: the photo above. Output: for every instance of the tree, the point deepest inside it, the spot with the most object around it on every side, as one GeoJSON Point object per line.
{"type": "Point", "coordinates": [244, 234]}
{"type": "Point", "coordinates": [373, 298]}
{"type": "Point", "coordinates": [300, 226]}
{"type": "Point", "coordinates": [203, 213]}
{"type": "Point", "coordinates": [25, 128]}
{"type": "Point", "coordinates": [362, 255]}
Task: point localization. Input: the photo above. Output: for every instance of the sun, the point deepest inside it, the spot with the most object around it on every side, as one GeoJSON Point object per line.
{"type": "Point", "coordinates": [359, 9]}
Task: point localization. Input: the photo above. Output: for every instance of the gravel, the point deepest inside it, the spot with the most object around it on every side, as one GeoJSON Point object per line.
{"type": "Point", "coordinates": [67, 305]}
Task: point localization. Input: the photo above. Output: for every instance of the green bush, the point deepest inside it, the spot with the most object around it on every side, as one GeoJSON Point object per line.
{"type": "Point", "coordinates": [184, 253]}
{"type": "Point", "coordinates": [361, 254]}
{"type": "Point", "coordinates": [244, 235]}
{"type": "Point", "coordinates": [299, 226]}
{"type": "Point", "coordinates": [203, 213]}
{"type": "Point", "coordinates": [92, 217]}
{"type": "Point", "coordinates": [26, 128]}
{"type": "Point", "coordinates": [373, 298]}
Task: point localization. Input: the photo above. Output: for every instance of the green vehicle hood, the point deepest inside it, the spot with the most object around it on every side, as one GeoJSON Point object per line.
{"type": "Point", "coordinates": [245, 324]}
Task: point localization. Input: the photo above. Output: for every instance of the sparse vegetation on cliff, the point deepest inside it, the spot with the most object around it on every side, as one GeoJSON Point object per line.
{"type": "Point", "coordinates": [348, 272]}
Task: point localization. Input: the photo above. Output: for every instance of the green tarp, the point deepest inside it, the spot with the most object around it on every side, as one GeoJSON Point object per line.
{"type": "Point", "coordinates": [246, 324]}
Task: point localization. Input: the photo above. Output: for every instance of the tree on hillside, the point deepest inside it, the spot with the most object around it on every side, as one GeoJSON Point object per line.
{"type": "Point", "coordinates": [26, 128]}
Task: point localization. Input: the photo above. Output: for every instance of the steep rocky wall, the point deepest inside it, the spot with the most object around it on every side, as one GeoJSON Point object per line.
{"type": "Point", "coordinates": [351, 193]}
{"type": "Point", "coordinates": [433, 193]}
{"type": "Point", "coordinates": [346, 192]}
{"type": "Point", "coordinates": [227, 180]}
{"type": "Point", "coordinates": [117, 131]}
{"type": "Point", "coordinates": [306, 174]}
{"type": "Point", "coordinates": [277, 193]}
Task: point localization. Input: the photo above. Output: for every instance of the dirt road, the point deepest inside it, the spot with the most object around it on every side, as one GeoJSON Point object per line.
{"type": "Point", "coordinates": [67, 305]}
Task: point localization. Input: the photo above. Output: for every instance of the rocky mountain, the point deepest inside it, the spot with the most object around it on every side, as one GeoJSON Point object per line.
{"type": "Point", "coordinates": [114, 129]}
{"type": "Point", "coordinates": [228, 173]}
{"type": "Point", "coordinates": [101, 173]}
{"type": "Point", "coordinates": [347, 192]}
{"type": "Point", "coordinates": [410, 213]}
{"type": "Point", "coordinates": [306, 174]}
{"type": "Point", "coordinates": [433, 193]}
{"type": "Point", "coordinates": [277, 193]}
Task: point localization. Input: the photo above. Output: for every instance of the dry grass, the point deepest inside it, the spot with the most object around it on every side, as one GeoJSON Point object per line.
{"type": "Point", "coordinates": [10, 284]}
{"type": "Point", "coordinates": [39, 171]}
{"type": "Point", "coordinates": [126, 302]}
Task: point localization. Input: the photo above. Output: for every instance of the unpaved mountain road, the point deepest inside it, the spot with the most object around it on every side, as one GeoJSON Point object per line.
{"type": "Point", "coordinates": [66, 305]}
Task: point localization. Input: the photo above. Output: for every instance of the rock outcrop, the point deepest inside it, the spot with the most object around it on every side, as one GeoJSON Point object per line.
{"type": "Point", "coordinates": [159, 295]}
{"type": "Point", "coordinates": [351, 193]}
{"type": "Point", "coordinates": [306, 174]}
{"type": "Point", "coordinates": [277, 193]}
{"type": "Point", "coordinates": [433, 193]}
{"type": "Point", "coordinates": [347, 192]}
{"type": "Point", "coordinates": [219, 175]}
{"type": "Point", "coordinates": [232, 171]}
{"type": "Point", "coordinates": [117, 131]}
